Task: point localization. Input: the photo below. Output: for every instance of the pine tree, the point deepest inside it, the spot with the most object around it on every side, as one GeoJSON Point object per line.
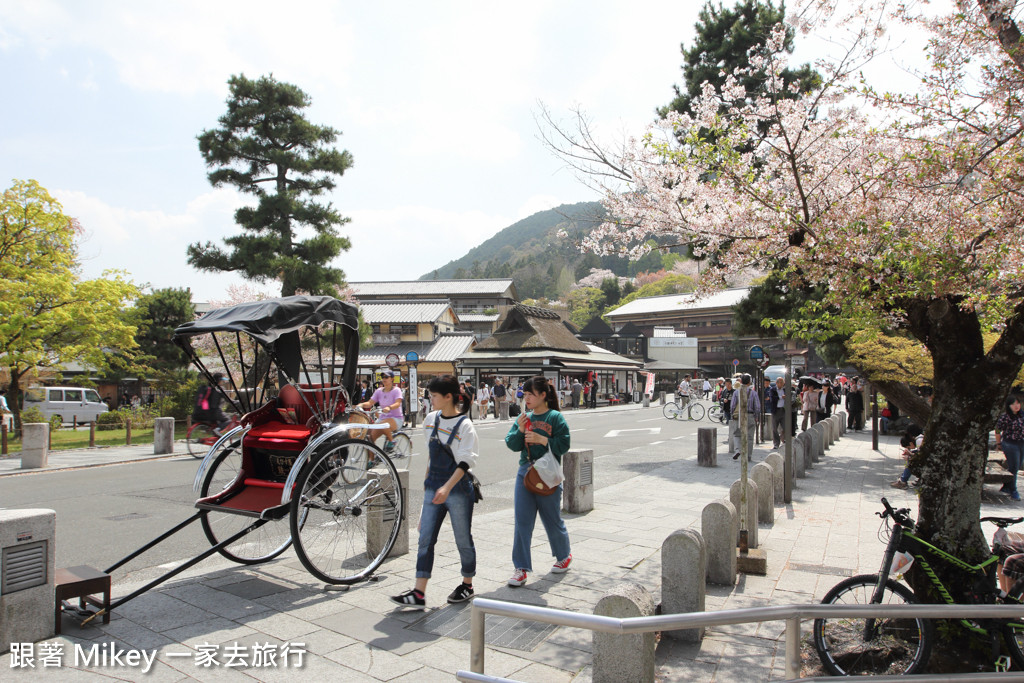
{"type": "Point", "coordinates": [267, 148]}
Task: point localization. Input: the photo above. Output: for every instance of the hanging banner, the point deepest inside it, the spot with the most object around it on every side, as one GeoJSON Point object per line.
{"type": "Point", "coordinates": [649, 385]}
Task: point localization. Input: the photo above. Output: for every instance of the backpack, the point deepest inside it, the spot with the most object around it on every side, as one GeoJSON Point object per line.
{"type": "Point", "coordinates": [514, 410]}
{"type": "Point", "coordinates": [203, 399]}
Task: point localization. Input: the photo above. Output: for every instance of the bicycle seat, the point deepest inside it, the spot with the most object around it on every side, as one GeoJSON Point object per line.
{"type": "Point", "coordinates": [1003, 522]}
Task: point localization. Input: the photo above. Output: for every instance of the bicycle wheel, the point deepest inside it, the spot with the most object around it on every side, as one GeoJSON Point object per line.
{"type": "Point", "coordinates": [343, 531]}
{"type": "Point", "coordinates": [403, 445]}
{"type": "Point", "coordinates": [695, 411]}
{"type": "Point", "coordinates": [716, 414]}
{"type": "Point", "coordinates": [670, 410]}
{"type": "Point", "coordinates": [1013, 632]}
{"type": "Point", "coordinates": [262, 544]}
{"type": "Point", "coordinates": [895, 646]}
{"type": "Point", "coordinates": [199, 439]}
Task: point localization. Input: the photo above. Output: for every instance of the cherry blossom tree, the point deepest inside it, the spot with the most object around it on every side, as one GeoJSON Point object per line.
{"type": "Point", "coordinates": [908, 206]}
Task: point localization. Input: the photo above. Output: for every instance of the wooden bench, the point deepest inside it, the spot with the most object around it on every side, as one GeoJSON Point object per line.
{"type": "Point", "coordinates": [81, 582]}
{"type": "Point", "coordinates": [995, 473]}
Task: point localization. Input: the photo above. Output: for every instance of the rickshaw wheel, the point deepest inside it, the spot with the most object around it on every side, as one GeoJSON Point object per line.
{"type": "Point", "coordinates": [265, 543]}
{"type": "Point", "coordinates": [344, 526]}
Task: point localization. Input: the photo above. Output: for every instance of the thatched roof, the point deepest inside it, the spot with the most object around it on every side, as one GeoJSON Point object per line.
{"type": "Point", "coordinates": [531, 327]}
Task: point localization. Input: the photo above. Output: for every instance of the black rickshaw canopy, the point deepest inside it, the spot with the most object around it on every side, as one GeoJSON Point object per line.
{"type": "Point", "coordinates": [266, 321]}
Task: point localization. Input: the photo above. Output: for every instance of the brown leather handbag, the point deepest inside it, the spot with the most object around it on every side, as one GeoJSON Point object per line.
{"type": "Point", "coordinates": [535, 484]}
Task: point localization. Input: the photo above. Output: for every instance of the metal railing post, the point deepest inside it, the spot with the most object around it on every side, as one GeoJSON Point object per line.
{"type": "Point", "coordinates": [476, 640]}
{"type": "Point", "coordinates": [793, 648]}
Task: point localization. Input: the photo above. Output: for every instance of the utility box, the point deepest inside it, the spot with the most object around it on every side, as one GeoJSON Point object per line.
{"type": "Point", "coordinates": [578, 487]}
{"type": "Point", "coordinates": [27, 569]}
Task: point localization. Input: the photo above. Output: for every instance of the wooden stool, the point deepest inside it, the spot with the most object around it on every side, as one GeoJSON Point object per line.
{"type": "Point", "coordinates": [80, 582]}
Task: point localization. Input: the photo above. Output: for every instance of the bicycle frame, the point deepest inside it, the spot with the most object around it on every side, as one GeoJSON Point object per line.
{"type": "Point", "coordinates": [982, 576]}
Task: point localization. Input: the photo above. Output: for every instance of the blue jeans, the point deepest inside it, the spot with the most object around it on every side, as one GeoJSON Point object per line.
{"type": "Point", "coordinates": [460, 505]}
{"type": "Point", "coordinates": [1013, 450]}
{"type": "Point", "coordinates": [527, 506]}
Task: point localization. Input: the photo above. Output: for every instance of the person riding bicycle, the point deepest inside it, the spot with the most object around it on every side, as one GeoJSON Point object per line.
{"type": "Point", "coordinates": [389, 398]}
{"type": "Point", "coordinates": [683, 392]}
{"type": "Point", "coordinates": [207, 404]}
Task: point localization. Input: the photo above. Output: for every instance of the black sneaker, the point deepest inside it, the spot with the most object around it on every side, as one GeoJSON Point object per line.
{"type": "Point", "coordinates": [462, 593]}
{"type": "Point", "coordinates": [736, 457]}
{"type": "Point", "coordinates": [411, 599]}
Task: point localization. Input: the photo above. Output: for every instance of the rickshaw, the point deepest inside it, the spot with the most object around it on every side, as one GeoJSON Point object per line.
{"type": "Point", "coordinates": [298, 469]}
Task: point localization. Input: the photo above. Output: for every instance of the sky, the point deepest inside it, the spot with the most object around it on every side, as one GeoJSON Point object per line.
{"type": "Point", "coordinates": [436, 101]}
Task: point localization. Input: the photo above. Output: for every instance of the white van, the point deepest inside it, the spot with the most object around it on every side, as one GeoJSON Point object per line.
{"type": "Point", "coordinates": [71, 403]}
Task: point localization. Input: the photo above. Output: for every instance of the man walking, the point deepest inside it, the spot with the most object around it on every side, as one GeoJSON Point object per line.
{"type": "Point", "coordinates": [753, 408]}
{"type": "Point", "coordinates": [777, 406]}
{"type": "Point", "coordinates": [577, 392]}
{"type": "Point", "coordinates": [500, 395]}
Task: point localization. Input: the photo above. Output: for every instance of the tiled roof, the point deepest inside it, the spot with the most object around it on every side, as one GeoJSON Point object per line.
{"type": "Point", "coordinates": [477, 318]}
{"type": "Point", "coordinates": [445, 349]}
{"type": "Point", "coordinates": [679, 302]}
{"type": "Point", "coordinates": [427, 311]}
{"type": "Point", "coordinates": [431, 287]}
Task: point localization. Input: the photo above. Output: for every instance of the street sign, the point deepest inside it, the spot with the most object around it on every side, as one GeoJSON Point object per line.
{"type": "Point", "coordinates": [735, 363]}
{"type": "Point", "coordinates": [392, 360]}
{"type": "Point", "coordinates": [756, 353]}
{"type": "Point", "coordinates": [412, 357]}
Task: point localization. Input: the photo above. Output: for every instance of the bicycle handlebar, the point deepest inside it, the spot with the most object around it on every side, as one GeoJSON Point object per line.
{"type": "Point", "coordinates": [1003, 522]}
{"type": "Point", "coordinates": [900, 515]}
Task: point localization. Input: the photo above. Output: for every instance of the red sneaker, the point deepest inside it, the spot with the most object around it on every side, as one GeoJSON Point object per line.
{"type": "Point", "coordinates": [518, 578]}
{"type": "Point", "coordinates": [563, 566]}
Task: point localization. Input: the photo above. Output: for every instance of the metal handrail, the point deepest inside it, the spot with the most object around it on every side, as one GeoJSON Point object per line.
{"type": "Point", "coordinates": [791, 614]}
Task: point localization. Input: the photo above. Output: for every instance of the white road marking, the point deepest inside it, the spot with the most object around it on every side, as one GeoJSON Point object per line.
{"type": "Point", "coordinates": [646, 430]}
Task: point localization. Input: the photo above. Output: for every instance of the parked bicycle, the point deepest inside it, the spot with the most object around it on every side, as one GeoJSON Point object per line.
{"type": "Point", "coordinates": [855, 647]}
{"type": "Point", "coordinates": [688, 410]}
{"type": "Point", "coordinates": [202, 435]}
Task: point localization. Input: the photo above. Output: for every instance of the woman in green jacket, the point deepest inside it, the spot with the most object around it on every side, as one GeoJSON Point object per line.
{"type": "Point", "coordinates": [539, 428]}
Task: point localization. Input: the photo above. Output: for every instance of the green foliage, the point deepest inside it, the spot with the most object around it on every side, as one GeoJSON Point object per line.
{"type": "Point", "coordinates": [56, 422]}
{"type": "Point", "coordinates": [676, 283]}
{"type": "Point", "coordinates": [722, 46]}
{"type": "Point", "coordinates": [178, 403]}
{"type": "Point", "coordinates": [610, 289]}
{"type": "Point", "coordinates": [265, 147]}
{"type": "Point", "coordinates": [156, 316]}
{"type": "Point", "coordinates": [141, 418]}
{"type": "Point", "coordinates": [48, 315]}
{"type": "Point", "coordinates": [32, 415]}
{"type": "Point", "coordinates": [585, 304]}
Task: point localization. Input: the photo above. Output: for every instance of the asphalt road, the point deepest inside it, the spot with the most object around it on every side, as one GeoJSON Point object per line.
{"type": "Point", "coordinates": [104, 513]}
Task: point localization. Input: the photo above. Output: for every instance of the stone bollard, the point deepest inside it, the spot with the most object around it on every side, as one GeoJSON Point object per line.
{"type": "Point", "coordinates": [578, 487]}
{"type": "Point", "coordinates": [817, 450]}
{"type": "Point", "coordinates": [719, 525]}
{"type": "Point", "coordinates": [841, 414]}
{"type": "Point", "coordinates": [775, 461]}
{"type": "Point", "coordinates": [35, 445]}
{"type": "Point", "coordinates": [707, 446]}
{"type": "Point", "coordinates": [624, 658]}
{"type": "Point", "coordinates": [763, 477]}
{"type": "Point", "coordinates": [830, 429]}
{"type": "Point", "coordinates": [819, 429]}
{"type": "Point", "coordinates": [377, 524]}
{"type": "Point", "coordinates": [647, 401]}
{"type": "Point", "coordinates": [163, 435]}
{"type": "Point", "coordinates": [804, 439]}
{"type": "Point", "coordinates": [734, 498]}
{"type": "Point", "coordinates": [661, 398]}
{"type": "Point", "coordinates": [684, 561]}
{"type": "Point", "coordinates": [799, 461]}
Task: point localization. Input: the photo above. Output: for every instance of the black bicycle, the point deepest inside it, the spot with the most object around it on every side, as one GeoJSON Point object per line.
{"type": "Point", "coordinates": [881, 646]}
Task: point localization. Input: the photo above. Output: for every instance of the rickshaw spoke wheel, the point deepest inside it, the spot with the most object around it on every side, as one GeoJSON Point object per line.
{"type": "Point", "coordinates": [260, 545]}
{"type": "Point", "coordinates": [345, 525]}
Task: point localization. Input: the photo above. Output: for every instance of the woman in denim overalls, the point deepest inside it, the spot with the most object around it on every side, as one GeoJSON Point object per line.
{"type": "Point", "coordinates": [452, 442]}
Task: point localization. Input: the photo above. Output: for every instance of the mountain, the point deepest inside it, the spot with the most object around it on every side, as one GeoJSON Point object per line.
{"type": "Point", "coordinates": [541, 263]}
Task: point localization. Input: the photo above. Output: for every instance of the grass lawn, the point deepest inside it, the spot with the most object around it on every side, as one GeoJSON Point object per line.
{"type": "Point", "coordinates": [68, 438]}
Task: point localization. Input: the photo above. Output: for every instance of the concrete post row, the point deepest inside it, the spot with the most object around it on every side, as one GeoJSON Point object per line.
{"type": "Point", "coordinates": [719, 526]}
{"type": "Point", "coordinates": [35, 445]}
{"type": "Point", "coordinates": [774, 460]}
{"type": "Point", "coordinates": [707, 447]}
{"type": "Point", "coordinates": [799, 461]}
{"type": "Point", "coordinates": [683, 566]}
{"type": "Point", "coordinates": [762, 475]}
{"type": "Point", "coordinates": [163, 435]}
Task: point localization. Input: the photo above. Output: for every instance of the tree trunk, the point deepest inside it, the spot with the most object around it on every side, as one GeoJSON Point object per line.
{"type": "Point", "coordinates": [970, 387]}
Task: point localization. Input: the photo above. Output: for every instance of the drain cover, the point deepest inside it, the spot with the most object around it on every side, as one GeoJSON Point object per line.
{"type": "Point", "coordinates": [126, 517]}
{"type": "Point", "coordinates": [453, 622]}
{"type": "Point", "coordinates": [819, 569]}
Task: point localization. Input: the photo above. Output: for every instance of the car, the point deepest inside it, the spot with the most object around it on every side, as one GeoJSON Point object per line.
{"type": "Point", "coordinates": [72, 404]}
